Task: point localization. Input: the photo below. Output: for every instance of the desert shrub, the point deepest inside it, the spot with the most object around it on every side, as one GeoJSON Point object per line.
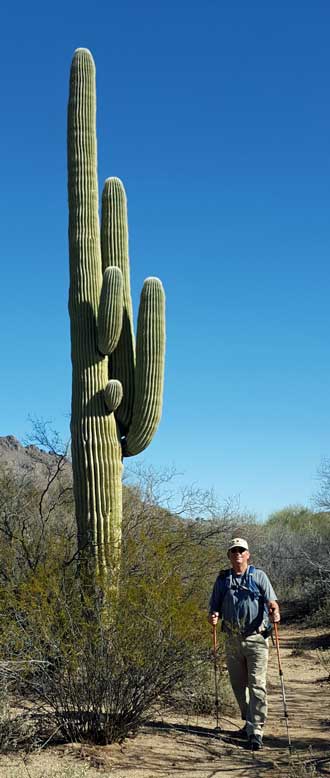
{"type": "Point", "coordinates": [95, 674]}
{"type": "Point", "coordinates": [19, 732]}
{"type": "Point", "coordinates": [171, 563]}
{"type": "Point", "coordinates": [304, 768]}
{"type": "Point", "coordinates": [321, 617]}
{"type": "Point", "coordinates": [91, 676]}
{"type": "Point", "coordinates": [18, 729]}
{"type": "Point", "coordinates": [293, 549]}
{"type": "Point", "coordinates": [323, 656]}
{"type": "Point", "coordinates": [195, 694]}
{"type": "Point", "coordinates": [36, 519]}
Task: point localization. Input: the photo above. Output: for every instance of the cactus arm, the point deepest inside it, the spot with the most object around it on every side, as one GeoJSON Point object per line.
{"type": "Point", "coordinates": [110, 315]}
{"type": "Point", "coordinates": [114, 243]}
{"type": "Point", "coordinates": [113, 394]}
{"type": "Point", "coordinates": [149, 379]}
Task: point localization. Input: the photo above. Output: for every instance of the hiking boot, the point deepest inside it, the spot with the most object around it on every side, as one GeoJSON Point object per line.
{"type": "Point", "coordinates": [255, 742]}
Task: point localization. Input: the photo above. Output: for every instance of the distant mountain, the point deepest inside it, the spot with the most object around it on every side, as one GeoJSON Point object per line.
{"type": "Point", "coordinates": [28, 461]}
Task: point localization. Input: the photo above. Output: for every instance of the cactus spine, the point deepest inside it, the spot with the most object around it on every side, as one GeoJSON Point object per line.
{"type": "Point", "coordinates": [116, 386]}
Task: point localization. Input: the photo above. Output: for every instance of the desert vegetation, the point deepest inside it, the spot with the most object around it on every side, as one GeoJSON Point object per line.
{"type": "Point", "coordinates": [72, 669]}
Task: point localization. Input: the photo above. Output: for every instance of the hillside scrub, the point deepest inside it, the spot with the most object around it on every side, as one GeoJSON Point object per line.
{"type": "Point", "coordinates": [293, 547]}
{"type": "Point", "coordinates": [36, 521]}
{"type": "Point", "coordinates": [89, 675]}
{"type": "Point", "coordinates": [91, 678]}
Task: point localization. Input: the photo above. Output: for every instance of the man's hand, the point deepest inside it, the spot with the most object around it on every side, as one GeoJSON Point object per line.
{"type": "Point", "coordinates": [274, 611]}
{"type": "Point", "coordinates": [213, 618]}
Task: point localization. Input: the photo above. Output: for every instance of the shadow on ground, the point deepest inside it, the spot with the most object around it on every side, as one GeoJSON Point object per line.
{"type": "Point", "coordinates": [307, 642]}
{"type": "Point", "coordinates": [228, 736]}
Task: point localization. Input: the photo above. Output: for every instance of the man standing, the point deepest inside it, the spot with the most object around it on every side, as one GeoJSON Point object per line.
{"type": "Point", "coordinates": [244, 599]}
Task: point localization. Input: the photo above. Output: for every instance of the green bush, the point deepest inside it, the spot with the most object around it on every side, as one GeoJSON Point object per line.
{"type": "Point", "coordinates": [94, 670]}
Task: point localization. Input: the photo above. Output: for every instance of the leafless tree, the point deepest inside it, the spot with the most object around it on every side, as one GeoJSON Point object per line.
{"type": "Point", "coordinates": [36, 507]}
{"type": "Point", "coordinates": [321, 498]}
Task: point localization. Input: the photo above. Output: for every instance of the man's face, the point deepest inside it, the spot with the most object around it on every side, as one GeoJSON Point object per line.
{"type": "Point", "coordinates": [239, 558]}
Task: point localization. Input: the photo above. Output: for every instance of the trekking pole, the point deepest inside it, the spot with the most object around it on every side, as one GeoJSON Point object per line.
{"type": "Point", "coordinates": [286, 715]}
{"type": "Point", "coordinates": [214, 635]}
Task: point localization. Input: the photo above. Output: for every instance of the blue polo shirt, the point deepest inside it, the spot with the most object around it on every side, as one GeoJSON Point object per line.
{"type": "Point", "coordinates": [241, 600]}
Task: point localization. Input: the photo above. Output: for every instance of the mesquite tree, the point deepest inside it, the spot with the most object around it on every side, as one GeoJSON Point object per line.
{"type": "Point", "coordinates": [117, 385]}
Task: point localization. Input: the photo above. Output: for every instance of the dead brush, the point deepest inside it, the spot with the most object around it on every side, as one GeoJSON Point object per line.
{"type": "Point", "coordinates": [17, 730]}
{"type": "Point", "coordinates": [323, 655]}
{"type": "Point", "coordinates": [302, 769]}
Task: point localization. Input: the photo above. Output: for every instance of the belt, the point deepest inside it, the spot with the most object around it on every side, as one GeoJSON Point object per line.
{"type": "Point", "coordinates": [263, 631]}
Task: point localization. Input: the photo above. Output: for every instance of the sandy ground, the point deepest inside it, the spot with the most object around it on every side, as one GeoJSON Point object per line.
{"type": "Point", "coordinates": [194, 749]}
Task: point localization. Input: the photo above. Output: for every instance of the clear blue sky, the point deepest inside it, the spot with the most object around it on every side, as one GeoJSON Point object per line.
{"type": "Point", "coordinates": [216, 115]}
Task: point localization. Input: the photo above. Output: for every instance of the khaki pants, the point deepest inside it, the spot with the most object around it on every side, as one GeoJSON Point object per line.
{"type": "Point", "coordinates": [247, 660]}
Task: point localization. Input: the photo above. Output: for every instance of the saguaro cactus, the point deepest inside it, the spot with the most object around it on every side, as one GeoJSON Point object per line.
{"type": "Point", "coordinates": [116, 387]}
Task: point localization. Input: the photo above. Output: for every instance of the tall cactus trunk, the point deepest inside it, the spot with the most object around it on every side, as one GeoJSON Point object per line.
{"type": "Point", "coordinates": [96, 448]}
{"type": "Point", "coordinates": [116, 394]}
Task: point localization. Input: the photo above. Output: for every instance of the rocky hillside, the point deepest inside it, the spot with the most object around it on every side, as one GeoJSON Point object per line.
{"type": "Point", "coordinates": [28, 461]}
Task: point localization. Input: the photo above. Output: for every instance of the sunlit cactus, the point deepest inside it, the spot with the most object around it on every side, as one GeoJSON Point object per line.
{"type": "Point", "coordinates": [117, 387]}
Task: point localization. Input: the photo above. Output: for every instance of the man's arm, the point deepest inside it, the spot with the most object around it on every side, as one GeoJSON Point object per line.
{"type": "Point", "coordinates": [274, 611]}
{"type": "Point", "coordinates": [215, 601]}
{"type": "Point", "coordinates": [269, 596]}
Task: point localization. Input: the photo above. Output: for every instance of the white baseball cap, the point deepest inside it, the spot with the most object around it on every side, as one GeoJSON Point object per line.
{"type": "Point", "coordinates": [238, 542]}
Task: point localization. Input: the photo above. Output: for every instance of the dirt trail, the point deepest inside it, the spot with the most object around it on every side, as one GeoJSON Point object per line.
{"type": "Point", "coordinates": [192, 749]}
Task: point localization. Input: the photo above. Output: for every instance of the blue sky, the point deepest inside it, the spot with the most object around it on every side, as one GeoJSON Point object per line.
{"type": "Point", "coordinates": [216, 116]}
